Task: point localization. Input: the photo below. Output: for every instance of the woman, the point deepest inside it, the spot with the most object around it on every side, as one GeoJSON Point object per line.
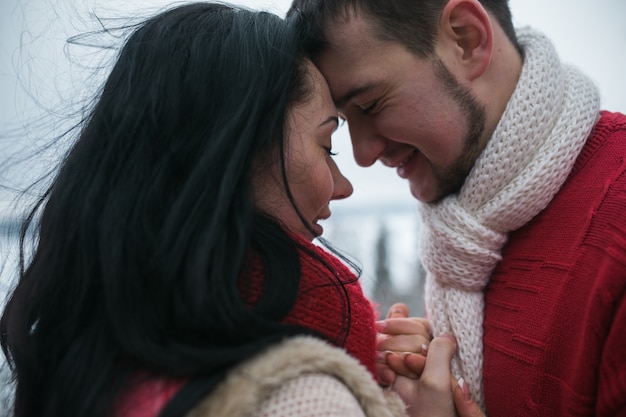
{"type": "Point", "coordinates": [174, 272]}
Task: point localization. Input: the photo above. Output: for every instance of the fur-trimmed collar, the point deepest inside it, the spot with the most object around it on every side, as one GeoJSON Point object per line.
{"type": "Point", "coordinates": [250, 383]}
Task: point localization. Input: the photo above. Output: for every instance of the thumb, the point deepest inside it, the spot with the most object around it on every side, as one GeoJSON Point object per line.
{"type": "Point", "coordinates": [398, 310]}
{"type": "Point", "coordinates": [440, 353]}
{"type": "Point", "coordinates": [465, 405]}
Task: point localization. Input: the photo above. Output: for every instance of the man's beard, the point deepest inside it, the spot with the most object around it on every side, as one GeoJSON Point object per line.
{"type": "Point", "coordinates": [450, 180]}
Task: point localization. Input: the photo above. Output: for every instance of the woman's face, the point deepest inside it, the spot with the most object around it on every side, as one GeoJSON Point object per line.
{"type": "Point", "coordinates": [312, 174]}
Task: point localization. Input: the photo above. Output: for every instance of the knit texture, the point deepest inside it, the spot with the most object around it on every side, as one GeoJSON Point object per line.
{"type": "Point", "coordinates": [528, 158]}
{"type": "Point", "coordinates": [330, 300]}
{"type": "Point", "coordinates": [316, 395]}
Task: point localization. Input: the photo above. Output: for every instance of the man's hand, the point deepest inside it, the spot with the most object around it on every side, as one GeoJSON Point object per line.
{"type": "Point", "coordinates": [436, 392]}
{"type": "Point", "coordinates": [397, 335]}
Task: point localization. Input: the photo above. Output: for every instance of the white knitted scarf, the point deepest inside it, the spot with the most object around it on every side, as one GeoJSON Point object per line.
{"type": "Point", "coordinates": [528, 158]}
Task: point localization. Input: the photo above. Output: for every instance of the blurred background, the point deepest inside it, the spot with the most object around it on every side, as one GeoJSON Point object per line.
{"type": "Point", "coordinates": [44, 80]}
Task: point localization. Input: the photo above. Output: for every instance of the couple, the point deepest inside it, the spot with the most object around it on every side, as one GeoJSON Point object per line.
{"type": "Point", "coordinates": [174, 272]}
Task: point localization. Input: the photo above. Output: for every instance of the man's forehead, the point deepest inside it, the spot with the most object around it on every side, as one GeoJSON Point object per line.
{"type": "Point", "coordinates": [335, 68]}
{"type": "Point", "coordinates": [347, 83]}
{"type": "Point", "coordinates": [347, 27]}
{"type": "Point", "coordinates": [349, 60]}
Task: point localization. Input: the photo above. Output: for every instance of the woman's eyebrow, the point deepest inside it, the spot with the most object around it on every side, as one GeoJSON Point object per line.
{"type": "Point", "coordinates": [330, 120]}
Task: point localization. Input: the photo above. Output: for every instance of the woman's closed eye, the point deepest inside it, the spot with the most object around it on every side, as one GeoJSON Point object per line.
{"type": "Point", "coordinates": [329, 151]}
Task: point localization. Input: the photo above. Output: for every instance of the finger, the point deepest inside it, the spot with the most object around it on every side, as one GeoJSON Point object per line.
{"type": "Point", "coordinates": [437, 368]}
{"type": "Point", "coordinates": [465, 405]}
{"type": "Point", "coordinates": [415, 363]}
{"type": "Point", "coordinates": [401, 343]}
{"type": "Point", "coordinates": [413, 325]}
{"type": "Point", "coordinates": [396, 362]}
{"type": "Point", "coordinates": [385, 375]}
{"type": "Point", "coordinates": [398, 310]}
{"type": "Point", "coordinates": [425, 399]}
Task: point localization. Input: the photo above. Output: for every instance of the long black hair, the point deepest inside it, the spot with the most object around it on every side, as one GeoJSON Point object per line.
{"type": "Point", "coordinates": [143, 234]}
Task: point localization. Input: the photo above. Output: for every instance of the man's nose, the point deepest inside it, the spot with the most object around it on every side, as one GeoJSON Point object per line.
{"type": "Point", "coordinates": [367, 146]}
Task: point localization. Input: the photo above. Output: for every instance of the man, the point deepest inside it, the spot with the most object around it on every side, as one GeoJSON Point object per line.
{"type": "Point", "coordinates": [523, 185]}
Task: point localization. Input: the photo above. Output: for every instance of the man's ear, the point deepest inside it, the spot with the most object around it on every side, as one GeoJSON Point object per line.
{"type": "Point", "coordinates": [466, 35]}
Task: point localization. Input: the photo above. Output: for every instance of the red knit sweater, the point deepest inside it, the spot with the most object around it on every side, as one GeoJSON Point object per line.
{"type": "Point", "coordinates": [555, 308]}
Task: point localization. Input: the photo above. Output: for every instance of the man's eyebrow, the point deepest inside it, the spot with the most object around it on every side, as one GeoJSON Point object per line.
{"type": "Point", "coordinates": [342, 101]}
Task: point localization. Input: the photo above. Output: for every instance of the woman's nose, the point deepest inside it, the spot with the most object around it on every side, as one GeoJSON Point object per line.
{"type": "Point", "coordinates": [342, 186]}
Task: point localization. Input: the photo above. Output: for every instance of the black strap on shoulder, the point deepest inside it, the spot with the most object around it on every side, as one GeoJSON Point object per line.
{"type": "Point", "coordinates": [190, 395]}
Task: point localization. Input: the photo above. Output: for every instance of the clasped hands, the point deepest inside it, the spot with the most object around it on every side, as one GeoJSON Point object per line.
{"type": "Point", "coordinates": [417, 367]}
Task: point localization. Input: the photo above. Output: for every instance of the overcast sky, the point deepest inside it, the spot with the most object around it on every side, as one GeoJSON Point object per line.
{"type": "Point", "coordinates": [34, 62]}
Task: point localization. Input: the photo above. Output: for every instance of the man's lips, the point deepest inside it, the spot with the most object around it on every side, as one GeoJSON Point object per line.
{"type": "Point", "coordinates": [403, 166]}
{"type": "Point", "coordinates": [398, 159]}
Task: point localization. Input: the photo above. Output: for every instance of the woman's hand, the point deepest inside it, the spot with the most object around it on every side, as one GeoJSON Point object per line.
{"type": "Point", "coordinates": [436, 392]}
{"type": "Point", "coordinates": [421, 378]}
{"type": "Point", "coordinates": [430, 394]}
{"type": "Point", "coordinates": [397, 335]}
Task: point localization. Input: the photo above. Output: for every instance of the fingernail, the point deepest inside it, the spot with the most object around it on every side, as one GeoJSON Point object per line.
{"type": "Point", "coordinates": [395, 311]}
{"type": "Point", "coordinates": [424, 349]}
{"type": "Point", "coordinates": [392, 353]}
{"type": "Point", "coordinates": [467, 396]}
{"type": "Point", "coordinates": [381, 356]}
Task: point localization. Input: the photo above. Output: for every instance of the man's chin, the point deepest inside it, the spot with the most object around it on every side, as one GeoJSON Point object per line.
{"type": "Point", "coordinates": [423, 193]}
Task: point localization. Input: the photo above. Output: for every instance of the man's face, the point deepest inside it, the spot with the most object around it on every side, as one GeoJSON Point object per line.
{"type": "Point", "coordinates": [410, 113]}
